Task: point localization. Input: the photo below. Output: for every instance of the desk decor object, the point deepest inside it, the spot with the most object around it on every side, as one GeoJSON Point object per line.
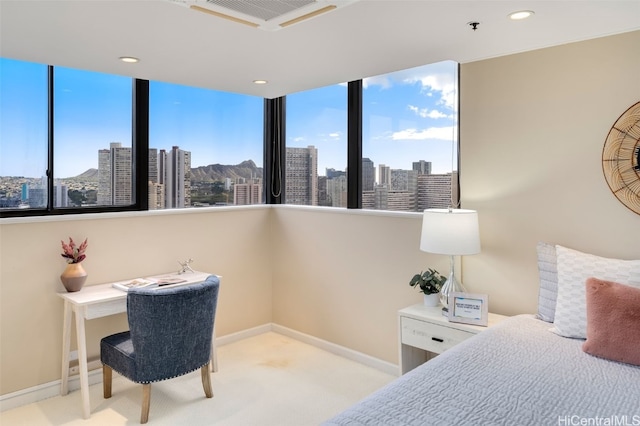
{"type": "Point", "coordinates": [185, 266]}
{"type": "Point", "coordinates": [156, 282]}
{"type": "Point", "coordinates": [469, 308]}
{"type": "Point", "coordinates": [74, 276]}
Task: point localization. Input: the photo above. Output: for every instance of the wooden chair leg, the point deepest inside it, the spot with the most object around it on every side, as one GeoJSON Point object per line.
{"type": "Point", "coordinates": [106, 381]}
{"type": "Point", "coordinates": [146, 402]}
{"type": "Point", "coordinates": [206, 380]}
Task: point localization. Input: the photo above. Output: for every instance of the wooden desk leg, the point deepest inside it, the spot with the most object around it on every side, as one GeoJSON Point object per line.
{"type": "Point", "coordinates": [82, 362]}
{"type": "Point", "coordinates": [66, 348]}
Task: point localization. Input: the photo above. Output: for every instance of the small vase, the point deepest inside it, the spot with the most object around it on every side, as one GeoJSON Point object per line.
{"type": "Point", "coordinates": [431, 299]}
{"type": "Point", "coordinates": [73, 277]}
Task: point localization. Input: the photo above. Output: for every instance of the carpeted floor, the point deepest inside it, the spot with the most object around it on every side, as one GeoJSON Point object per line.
{"type": "Point", "coordinates": [265, 380]}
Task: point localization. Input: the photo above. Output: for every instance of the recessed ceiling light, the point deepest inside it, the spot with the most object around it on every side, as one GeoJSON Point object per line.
{"type": "Point", "coordinates": [129, 59]}
{"type": "Point", "coordinates": [260, 81]}
{"type": "Point", "coordinates": [521, 14]}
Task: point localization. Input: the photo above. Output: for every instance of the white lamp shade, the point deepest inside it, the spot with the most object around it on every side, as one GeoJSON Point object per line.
{"type": "Point", "coordinates": [454, 232]}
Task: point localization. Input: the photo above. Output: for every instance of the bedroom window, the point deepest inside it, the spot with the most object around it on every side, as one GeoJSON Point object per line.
{"type": "Point", "coordinates": [23, 135]}
{"type": "Point", "coordinates": [93, 161]}
{"type": "Point", "coordinates": [205, 147]}
{"type": "Point", "coordinates": [316, 147]}
{"type": "Point", "coordinates": [55, 124]}
{"type": "Point", "coordinates": [409, 139]}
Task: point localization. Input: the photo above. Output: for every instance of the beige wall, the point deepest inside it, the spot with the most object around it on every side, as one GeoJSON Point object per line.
{"type": "Point", "coordinates": [341, 275]}
{"type": "Point", "coordinates": [231, 243]}
{"type": "Point", "coordinates": [532, 130]}
{"type": "Point", "coordinates": [533, 126]}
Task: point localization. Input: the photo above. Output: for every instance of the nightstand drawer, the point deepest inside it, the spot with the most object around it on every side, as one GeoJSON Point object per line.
{"type": "Point", "coordinates": [430, 337]}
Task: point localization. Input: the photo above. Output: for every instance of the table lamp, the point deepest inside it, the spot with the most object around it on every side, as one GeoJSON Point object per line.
{"type": "Point", "coordinates": [453, 232]}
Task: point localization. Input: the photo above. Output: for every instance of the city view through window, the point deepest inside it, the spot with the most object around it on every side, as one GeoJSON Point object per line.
{"type": "Point", "coordinates": [206, 147]}
{"type": "Point", "coordinates": [409, 142]}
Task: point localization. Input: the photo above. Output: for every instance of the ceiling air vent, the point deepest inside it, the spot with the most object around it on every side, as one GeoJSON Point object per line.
{"type": "Point", "coordinates": [268, 15]}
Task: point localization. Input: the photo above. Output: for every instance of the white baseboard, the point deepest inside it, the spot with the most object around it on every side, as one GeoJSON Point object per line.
{"type": "Point", "coordinates": [51, 389]}
{"type": "Point", "coordinates": [44, 391]}
{"type": "Point", "coordinates": [378, 364]}
{"type": "Point", "coordinates": [244, 334]}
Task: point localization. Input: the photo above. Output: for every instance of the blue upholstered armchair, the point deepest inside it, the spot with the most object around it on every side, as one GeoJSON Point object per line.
{"type": "Point", "coordinates": [170, 334]}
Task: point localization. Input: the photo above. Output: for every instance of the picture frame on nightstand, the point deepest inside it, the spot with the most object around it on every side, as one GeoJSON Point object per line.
{"type": "Point", "coordinates": [469, 308]}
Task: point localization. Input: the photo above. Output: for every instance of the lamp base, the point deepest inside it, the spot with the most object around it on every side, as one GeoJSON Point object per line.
{"type": "Point", "coordinates": [450, 286]}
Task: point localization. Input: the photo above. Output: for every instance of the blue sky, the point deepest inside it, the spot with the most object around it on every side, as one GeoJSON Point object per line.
{"type": "Point", "coordinates": [408, 116]}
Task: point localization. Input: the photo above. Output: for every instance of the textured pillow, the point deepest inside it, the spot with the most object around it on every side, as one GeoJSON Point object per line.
{"type": "Point", "coordinates": [548, 275]}
{"type": "Point", "coordinates": [613, 321]}
{"type": "Point", "coordinates": [574, 268]}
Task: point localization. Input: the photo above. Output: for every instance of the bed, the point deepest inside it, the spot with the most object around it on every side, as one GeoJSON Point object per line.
{"type": "Point", "coordinates": [523, 371]}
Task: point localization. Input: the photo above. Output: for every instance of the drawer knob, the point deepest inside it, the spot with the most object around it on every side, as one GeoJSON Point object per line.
{"type": "Point", "coordinates": [436, 339]}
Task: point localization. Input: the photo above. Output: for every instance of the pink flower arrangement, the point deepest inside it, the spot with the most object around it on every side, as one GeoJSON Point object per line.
{"type": "Point", "coordinates": [72, 253]}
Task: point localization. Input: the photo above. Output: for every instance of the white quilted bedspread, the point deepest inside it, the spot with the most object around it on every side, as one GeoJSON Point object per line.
{"type": "Point", "coordinates": [515, 373]}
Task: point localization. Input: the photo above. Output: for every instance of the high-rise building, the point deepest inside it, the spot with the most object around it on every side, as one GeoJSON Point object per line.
{"type": "Point", "coordinates": [422, 167]}
{"type": "Point", "coordinates": [333, 173]}
{"type": "Point", "coordinates": [24, 192]}
{"type": "Point", "coordinates": [390, 199]}
{"type": "Point", "coordinates": [114, 175]}
{"type": "Point", "coordinates": [323, 198]}
{"type": "Point", "coordinates": [247, 192]}
{"type": "Point", "coordinates": [337, 191]}
{"type": "Point", "coordinates": [368, 175]}
{"type": "Point", "coordinates": [153, 165]}
{"type": "Point", "coordinates": [404, 190]}
{"type": "Point", "coordinates": [104, 177]}
{"type": "Point", "coordinates": [121, 175]}
{"type": "Point", "coordinates": [369, 199]}
{"type": "Point", "coordinates": [436, 191]}
{"type": "Point", "coordinates": [61, 196]}
{"type": "Point", "coordinates": [301, 181]}
{"type": "Point", "coordinates": [176, 171]}
{"type": "Point", "coordinates": [156, 196]}
{"type": "Point", "coordinates": [37, 197]}
{"type": "Point", "coordinates": [384, 175]}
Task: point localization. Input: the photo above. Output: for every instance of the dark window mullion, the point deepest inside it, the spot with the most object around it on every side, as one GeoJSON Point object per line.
{"type": "Point", "coordinates": [354, 145]}
{"type": "Point", "coordinates": [140, 144]}
{"type": "Point", "coordinates": [49, 173]}
{"type": "Point", "coordinates": [274, 150]}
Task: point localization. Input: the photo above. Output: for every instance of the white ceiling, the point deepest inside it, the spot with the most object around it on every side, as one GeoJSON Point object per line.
{"type": "Point", "coordinates": [365, 38]}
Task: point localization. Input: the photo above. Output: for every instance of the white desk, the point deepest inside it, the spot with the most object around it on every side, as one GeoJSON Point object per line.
{"type": "Point", "coordinates": [98, 301]}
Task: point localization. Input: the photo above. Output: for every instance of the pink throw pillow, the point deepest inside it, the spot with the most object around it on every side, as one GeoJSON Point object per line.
{"type": "Point", "coordinates": [613, 321]}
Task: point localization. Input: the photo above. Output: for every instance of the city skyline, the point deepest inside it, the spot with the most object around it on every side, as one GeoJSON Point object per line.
{"type": "Point", "coordinates": [408, 115]}
{"type": "Point", "coordinates": [171, 184]}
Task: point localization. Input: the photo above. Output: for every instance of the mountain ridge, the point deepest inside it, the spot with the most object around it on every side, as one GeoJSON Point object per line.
{"type": "Point", "coordinates": [211, 173]}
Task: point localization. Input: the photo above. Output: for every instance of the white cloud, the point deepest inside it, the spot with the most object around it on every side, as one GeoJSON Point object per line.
{"type": "Point", "coordinates": [379, 80]}
{"type": "Point", "coordinates": [439, 133]}
{"type": "Point", "coordinates": [426, 113]}
{"type": "Point", "coordinates": [439, 78]}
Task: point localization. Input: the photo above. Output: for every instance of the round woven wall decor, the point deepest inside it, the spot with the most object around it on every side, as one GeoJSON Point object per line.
{"type": "Point", "coordinates": [621, 158]}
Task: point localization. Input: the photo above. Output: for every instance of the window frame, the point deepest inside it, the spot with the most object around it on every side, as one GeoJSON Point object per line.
{"type": "Point", "coordinates": [140, 142]}
{"type": "Point", "coordinates": [274, 137]}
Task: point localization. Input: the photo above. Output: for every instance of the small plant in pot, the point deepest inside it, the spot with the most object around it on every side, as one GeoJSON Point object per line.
{"type": "Point", "coordinates": [430, 282]}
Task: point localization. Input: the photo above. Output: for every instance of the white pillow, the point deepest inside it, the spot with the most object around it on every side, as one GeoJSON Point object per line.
{"type": "Point", "coordinates": [574, 268]}
{"type": "Point", "coordinates": [548, 281]}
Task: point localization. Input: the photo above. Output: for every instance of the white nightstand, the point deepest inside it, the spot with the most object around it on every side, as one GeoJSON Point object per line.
{"type": "Point", "coordinates": [425, 333]}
